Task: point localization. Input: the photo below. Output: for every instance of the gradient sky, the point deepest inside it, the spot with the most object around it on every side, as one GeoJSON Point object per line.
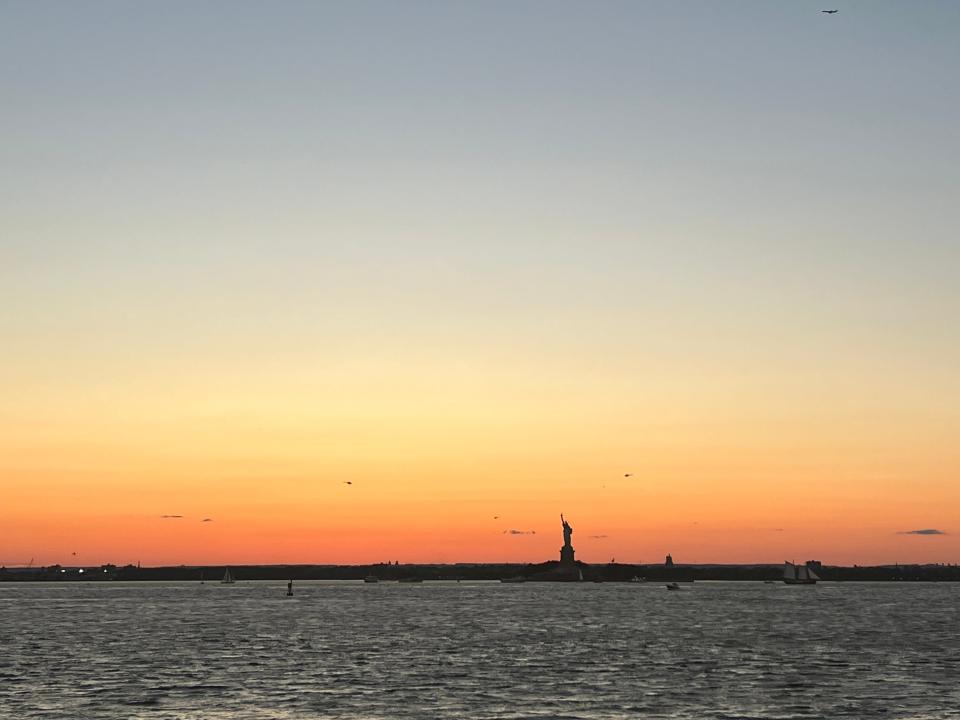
{"type": "Point", "coordinates": [479, 259]}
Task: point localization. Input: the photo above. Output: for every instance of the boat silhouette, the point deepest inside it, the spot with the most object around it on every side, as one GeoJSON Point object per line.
{"type": "Point", "coordinates": [798, 574]}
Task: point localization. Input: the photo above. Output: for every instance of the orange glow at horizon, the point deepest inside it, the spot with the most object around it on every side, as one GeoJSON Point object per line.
{"type": "Point", "coordinates": [443, 473]}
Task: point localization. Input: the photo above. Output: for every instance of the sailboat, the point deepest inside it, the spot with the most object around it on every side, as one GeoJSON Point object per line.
{"type": "Point", "coordinates": [798, 574]}
{"type": "Point", "coordinates": [227, 578]}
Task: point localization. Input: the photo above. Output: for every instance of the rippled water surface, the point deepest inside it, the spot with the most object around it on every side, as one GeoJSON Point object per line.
{"type": "Point", "coordinates": [478, 650]}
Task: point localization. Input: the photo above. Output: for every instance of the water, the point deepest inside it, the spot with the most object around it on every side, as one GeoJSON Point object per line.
{"type": "Point", "coordinates": [478, 650]}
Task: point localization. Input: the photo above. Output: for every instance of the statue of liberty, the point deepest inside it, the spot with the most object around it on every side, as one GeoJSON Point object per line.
{"type": "Point", "coordinates": [567, 531]}
{"type": "Point", "coordinates": [566, 552]}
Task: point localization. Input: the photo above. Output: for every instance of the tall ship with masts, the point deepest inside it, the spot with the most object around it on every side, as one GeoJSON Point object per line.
{"type": "Point", "coordinates": [798, 574]}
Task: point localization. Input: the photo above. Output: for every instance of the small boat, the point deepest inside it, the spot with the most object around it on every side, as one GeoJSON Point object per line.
{"type": "Point", "coordinates": [227, 578]}
{"type": "Point", "coordinates": [514, 579]}
{"type": "Point", "coordinates": [290, 589]}
{"type": "Point", "coordinates": [371, 579]}
{"type": "Point", "coordinates": [798, 575]}
{"type": "Point", "coordinates": [673, 586]}
{"type": "Point", "coordinates": [410, 580]}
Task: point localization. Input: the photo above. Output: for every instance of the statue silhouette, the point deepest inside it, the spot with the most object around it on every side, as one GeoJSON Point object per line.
{"type": "Point", "coordinates": [566, 552]}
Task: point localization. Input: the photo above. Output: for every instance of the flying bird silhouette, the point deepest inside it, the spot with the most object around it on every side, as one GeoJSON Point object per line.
{"type": "Point", "coordinates": [348, 482]}
{"type": "Point", "coordinates": [207, 520]}
{"type": "Point", "coordinates": [496, 517]}
{"type": "Point", "coordinates": [829, 12]}
{"type": "Point", "coordinates": [628, 474]}
{"type": "Point", "coordinates": [171, 516]}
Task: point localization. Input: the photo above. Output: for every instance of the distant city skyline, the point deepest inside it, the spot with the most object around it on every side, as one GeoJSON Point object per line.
{"type": "Point", "coordinates": [373, 280]}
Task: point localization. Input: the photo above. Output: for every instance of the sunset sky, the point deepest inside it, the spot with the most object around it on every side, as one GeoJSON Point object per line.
{"type": "Point", "coordinates": [479, 259]}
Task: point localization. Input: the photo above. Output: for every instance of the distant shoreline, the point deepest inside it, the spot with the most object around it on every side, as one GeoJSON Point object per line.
{"type": "Point", "coordinates": [611, 572]}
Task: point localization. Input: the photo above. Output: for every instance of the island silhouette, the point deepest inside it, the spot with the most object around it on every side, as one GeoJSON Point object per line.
{"type": "Point", "coordinates": [566, 569]}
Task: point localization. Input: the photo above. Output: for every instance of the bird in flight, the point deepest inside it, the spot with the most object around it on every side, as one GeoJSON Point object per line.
{"type": "Point", "coordinates": [207, 520]}
{"type": "Point", "coordinates": [168, 517]}
{"type": "Point", "coordinates": [496, 517]}
{"type": "Point", "coordinates": [348, 482]}
{"type": "Point", "coordinates": [829, 12]}
{"type": "Point", "coordinates": [628, 474]}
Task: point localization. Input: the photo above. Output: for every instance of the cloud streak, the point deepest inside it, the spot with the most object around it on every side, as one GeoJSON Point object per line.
{"type": "Point", "coordinates": [924, 531]}
{"type": "Point", "coordinates": [519, 532]}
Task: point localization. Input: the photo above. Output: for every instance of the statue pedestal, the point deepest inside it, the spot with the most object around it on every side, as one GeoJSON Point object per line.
{"type": "Point", "coordinates": [566, 555]}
